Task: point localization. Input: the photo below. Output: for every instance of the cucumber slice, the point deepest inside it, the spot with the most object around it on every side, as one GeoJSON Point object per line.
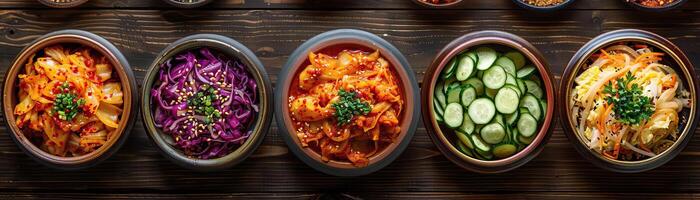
{"type": "Point", "coordinates": [525, 71]}
{"type": "Point", "coordinates": [499, 119]}
{"type": "Point", "coordinates": [480, 74]}
{"type": "Point", "coordinates": [517, 58]}
{"type": "Point", "coordinates": [465, 68]}
{"type": "Point", "coordinates": [477, 84]}
{"type": "Point", "coordinates": [438, 118]}
{"type": "Point", "coordinates": [495, 77]}
{"type": "Point", "coordinates": [473, 56]}
{"type": "Point", "coordinates": [487, 56]}
{"type": "Point", "coordinates": [510, 79]}
{"type": "Point", "coordinates": [527, 125]}
{"type": "Point", "coordinates": [543, 106]}
{"type": "Point", "coordinates": [504, 150]}
{"type": "Point", "coordinates": [449, 69]}
{"type": "Point", "coordinates": [514, 134]}
{"type": "Point", "coordinates": [533, 88]}
{"type": "Point", "coordinates": [520, 93]}
{"type": "Point", "coordinates": [454, 115]}
{"type": "Point", "coordinates": [512, 118]}
{"type": "Point", "coordinates": [467, 125]}
{"type": "Point", "coordinates": [465, 150]}
{"type": "Point", "coordinates": [467, 96]}
{"type": "Point", "coordinates": [440, 95]}
{"type": "Point", "coordinates": [480, 144]}
{"type": "Point", "coordinates": [533, 106]}
{"type": "Point", "coordinates": [481, 111]}
{"type": "Point", "coordinates": [438, 109]}
{"type": "Point", "coordinates": [507, 100]}
{"type": "Point", "coordinates": [525, 140]}
{"type": "Point", "coordinates": [493, 133]}
{"type": "Point", "coordinates": [485, 155]}
{"type": "Point", "coordinates": [507, 64]}
{"type": "Point", "coordinates": [491, 93]}
{"type": "Point", "coordinates": [521, 85]}
{"type": "Point", "coordinates": [453, 95]}
{"type": "Point", "coordinates": [464, 139]}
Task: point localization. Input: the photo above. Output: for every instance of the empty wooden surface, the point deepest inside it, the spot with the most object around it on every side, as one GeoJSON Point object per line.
{"type": "Point", "coordinates": [142, 28]}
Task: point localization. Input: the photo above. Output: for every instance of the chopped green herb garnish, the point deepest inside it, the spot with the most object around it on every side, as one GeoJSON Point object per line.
{"type": "Point", "coordinates": [67, 105]}
{"type": "Point", "coordinates": [629, 105]}
{"type": "Point", "coordinates": [349, 106]}
{"type": "Point", "coordinates": [203, 103]}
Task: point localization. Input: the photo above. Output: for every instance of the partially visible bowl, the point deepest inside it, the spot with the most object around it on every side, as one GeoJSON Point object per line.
{"type": "Point", "coordinates": [259, 125]}
{"type": "Point", "coordinates": [128, 85]}
{"type": "Point", "coordinates": [496, 39]}
{"type": "Point", "coordinates": [188, 3]}
{"type": "Point", "coordinates": [332, 42]}
{"type": "Point", "coordinates": [673, 5]}
{"type": "Point", "coordinates": [525, 5]}
{"type": "Point", "coordinates": [678, 61]}
{"type": "Point", "coordinates": [437, 5]}
{"type": "Point", "coordinates": [63, 3]}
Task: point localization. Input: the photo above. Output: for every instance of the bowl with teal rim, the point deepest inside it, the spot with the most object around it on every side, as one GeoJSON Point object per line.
{"type": "Point", "coordinates": [348, 39]}
{"type": "Point", "coordinates": [258, 126]}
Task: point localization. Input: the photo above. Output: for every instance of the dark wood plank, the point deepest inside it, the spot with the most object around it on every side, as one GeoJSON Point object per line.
{"type": "Point", "coordinates": [273, 35]}
{"type": "Point", "coordinates": [328, 4]}
{"type": "Point", "coordinates": [388, 195]}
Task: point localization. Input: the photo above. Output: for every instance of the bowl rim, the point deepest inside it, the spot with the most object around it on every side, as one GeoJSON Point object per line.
{"type": "Point", "coordinates": [581, 57]}
{"type": "Point", "coordinates": [71, 4]}
{"type": "Point", "coordinates": [401, 67]}
{"type": "Point", "coordinates": [432, 5]}
{"type": "Point", "coordinates": [259, 127]}
{"type": "Point", "coordinates": [436, 134]}
{"type": "Point", "coordinates": [522, 4]}
{"type": "Point", "coordinates": [671, 6]}
{"type": "Point", "coordinates": [127, 81]}
{"type": "Point", "coordinates": [188, 5]}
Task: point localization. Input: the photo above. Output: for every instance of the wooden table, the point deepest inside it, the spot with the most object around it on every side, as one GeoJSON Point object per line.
{"type": "Point", "coordinates": [273, 29]}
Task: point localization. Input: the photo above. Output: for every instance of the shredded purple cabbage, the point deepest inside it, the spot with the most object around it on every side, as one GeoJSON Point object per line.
{"type": "Point", "coordinates": [205, 102]}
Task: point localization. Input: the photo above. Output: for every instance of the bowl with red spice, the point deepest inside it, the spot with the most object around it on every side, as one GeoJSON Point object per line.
{"type": "Point", "coordinates": [438, 3]}
{"type": "Point", "coordinates": [543, 5]}
{"type": "Point", "coordinates": [69, 99]}
{"type": "Point", "coordinates": [655, 5]}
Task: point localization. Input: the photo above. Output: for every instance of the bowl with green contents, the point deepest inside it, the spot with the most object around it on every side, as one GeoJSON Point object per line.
{"type": "Point", "coordinates": [490, 95]}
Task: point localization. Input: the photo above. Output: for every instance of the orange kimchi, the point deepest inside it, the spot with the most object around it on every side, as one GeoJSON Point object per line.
{"type": "Point", "coordinates": [69, 100]}
{"type": "Point", "coordinates": [346, 107]}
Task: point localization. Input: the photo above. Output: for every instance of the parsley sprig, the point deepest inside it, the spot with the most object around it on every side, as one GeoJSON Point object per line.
{"type": "Point", "coordinates": [630, 106]}
{"type": "Point", "coordinates": [67, 105]}
{"type": "Point", "coordinates": [203, 101]}
{"type": "Point", "coordinates": [349, 106]}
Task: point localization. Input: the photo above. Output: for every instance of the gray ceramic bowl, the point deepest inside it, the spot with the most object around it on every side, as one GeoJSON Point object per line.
{"type": "Point", "coordinates": [344, 38]}
{"type": "Point", "coordinates": [259, 126]}
{"type": "Point", "coordinates": [122, 69]}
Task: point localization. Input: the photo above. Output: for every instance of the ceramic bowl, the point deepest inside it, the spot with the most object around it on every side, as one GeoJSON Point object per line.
{"type": "Point", "coordinates": [444, 5]}
{"type": "Point", "coordinates": [128, 84]}
{"type": "Point", "coordinates": [188, 3]}
{"type": "Point", "coordinates": [674, 57]}
{"type": "Point", "coordinates": [670, 6]}
{"type": "Point", "coordinates": [352, 39]}
{"type": "Point", "coordinates": [63, 3]}
{"type": "Point", "coordinates": [522, 4]}
{"type": "Point", "coordinates": [259, 126]}
{"type": "Point", "coordinates": [442, 139]}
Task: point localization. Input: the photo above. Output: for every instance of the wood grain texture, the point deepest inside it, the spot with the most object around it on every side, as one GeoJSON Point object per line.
{"type": "Point", "coordinates": [328, 4]}
{"type": "Point", "coordinates": [139, 171]}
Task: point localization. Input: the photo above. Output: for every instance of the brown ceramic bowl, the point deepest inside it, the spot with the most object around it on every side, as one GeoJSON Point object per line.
{"type": "Point", "coordinates": [496, 40]}
{"type": "Point", "coordinates": [188, 3]}
{"type": "Point", "coordinates": [433, 5]}
{"type": "Point", "coordinates": [337, 40]}
{"type": "Point", "coordinates": [128, 84]}
{"type": "Point", "coordinates": [259, 125]}
{"type": "Point", "coordinates": [674, 57]}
